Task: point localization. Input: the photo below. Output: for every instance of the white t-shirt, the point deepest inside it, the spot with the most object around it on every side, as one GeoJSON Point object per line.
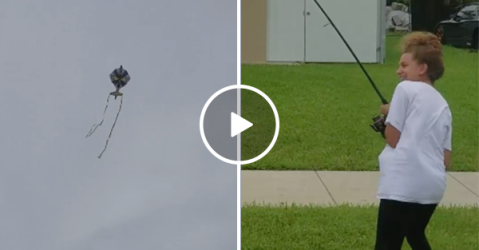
{"type": "Point", "coordinates": [414, 171]}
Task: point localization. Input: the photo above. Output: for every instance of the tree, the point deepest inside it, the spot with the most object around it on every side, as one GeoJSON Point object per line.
{"type": "Point", "coordinates": [425, 14]}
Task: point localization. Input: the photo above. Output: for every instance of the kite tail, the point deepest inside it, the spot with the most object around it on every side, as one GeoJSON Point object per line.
{"type": "Point", "coordinates": [111, 131]}
{"type": "Point", "coordinates": [95, 126]}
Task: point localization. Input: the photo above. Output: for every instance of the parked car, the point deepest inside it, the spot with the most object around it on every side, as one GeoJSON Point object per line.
{"type": "Point", "coordinates": [461, 30]}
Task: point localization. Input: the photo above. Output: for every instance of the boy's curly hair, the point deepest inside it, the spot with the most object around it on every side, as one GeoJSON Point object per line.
{"type": "Point", "coordinates": [425, 48]}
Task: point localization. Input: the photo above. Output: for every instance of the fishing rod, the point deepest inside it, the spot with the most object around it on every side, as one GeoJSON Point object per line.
{"type": "Point", "coordinates": [378, 120]}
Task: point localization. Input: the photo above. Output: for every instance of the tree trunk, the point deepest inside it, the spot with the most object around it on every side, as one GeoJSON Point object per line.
{"type": "Point", "coordinates": [425, 14]}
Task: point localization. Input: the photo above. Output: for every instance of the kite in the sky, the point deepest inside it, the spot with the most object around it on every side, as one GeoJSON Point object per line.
{"type": "Point", "coordinates": [119, 77]}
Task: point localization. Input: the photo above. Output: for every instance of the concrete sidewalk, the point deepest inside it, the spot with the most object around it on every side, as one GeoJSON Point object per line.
{"type": "Point", "coordinates": [336, 187]}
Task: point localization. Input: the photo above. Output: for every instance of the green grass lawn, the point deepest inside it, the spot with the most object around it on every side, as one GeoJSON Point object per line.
{"type": "Point", "coordinates": [346, 227]}
{"type": "Point", "coordinates": [325, 111]}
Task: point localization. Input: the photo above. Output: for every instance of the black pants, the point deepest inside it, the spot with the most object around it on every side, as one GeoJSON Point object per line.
{"type": "Point", "coordinates": [398, 220]}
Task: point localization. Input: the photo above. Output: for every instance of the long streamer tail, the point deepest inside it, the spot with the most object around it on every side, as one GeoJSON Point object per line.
{"type": "Point", "coordinates": [111, 131]}
{"type": "Point", "coordinates": [95, 126]}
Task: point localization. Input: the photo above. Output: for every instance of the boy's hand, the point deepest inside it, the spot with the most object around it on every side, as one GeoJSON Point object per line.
{"type": "Point", "coordinates": [384, 109]}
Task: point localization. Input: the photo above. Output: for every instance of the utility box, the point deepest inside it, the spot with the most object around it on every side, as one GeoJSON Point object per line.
{"type": "Point", "coordinates": [297, 31]}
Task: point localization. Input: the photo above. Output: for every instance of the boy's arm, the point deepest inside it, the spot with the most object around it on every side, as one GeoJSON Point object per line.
{"type": "Point", "coordinates": [447, 145]}
{"type": "Point", "coordinates": [396, 115]}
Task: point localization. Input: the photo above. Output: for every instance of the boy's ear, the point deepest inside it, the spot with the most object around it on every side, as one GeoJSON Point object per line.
{"type": "Point", "coordinates": [424, 69]}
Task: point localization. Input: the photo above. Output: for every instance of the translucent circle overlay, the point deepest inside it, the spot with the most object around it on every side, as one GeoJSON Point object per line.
{"type": "Point", "coordinates": [276, 131]}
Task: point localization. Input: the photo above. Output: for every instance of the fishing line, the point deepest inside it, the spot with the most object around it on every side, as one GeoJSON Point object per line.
{"type": "Point", "coordinates": [111, 131]}
{"type": "Point", "coordinates": [95, 126]}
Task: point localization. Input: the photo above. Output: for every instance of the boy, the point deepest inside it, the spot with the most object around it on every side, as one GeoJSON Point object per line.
{"type": "Point", "coordinates": [418, 151]}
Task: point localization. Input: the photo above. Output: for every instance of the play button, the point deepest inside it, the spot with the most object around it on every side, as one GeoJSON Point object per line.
{"type": "Point", "coordinates": [238, 124]}
{"type": "Point", "coordinates": [222, 125]}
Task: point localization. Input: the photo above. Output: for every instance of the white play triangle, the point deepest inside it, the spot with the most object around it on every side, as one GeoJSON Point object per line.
{"type": "Point", "coordinates": [238, 124]}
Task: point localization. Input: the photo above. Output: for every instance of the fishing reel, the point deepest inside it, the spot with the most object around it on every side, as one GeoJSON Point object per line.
{"type": "Point", "coordinates": [379, 124]}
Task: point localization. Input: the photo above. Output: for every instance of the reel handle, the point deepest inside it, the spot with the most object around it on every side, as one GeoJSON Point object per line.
{"type": "Point", "coordinates": [378, 124]}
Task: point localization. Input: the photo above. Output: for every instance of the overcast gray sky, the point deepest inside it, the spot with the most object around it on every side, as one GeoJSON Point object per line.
{"type": "Point", "coordinates": [156, 186]}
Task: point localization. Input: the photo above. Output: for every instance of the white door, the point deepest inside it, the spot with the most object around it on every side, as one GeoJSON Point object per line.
{"type": "Point", "coordinates": [381, 32]}
{"type": "Point", "coordinates": [285, 31]}
{"type": "Point", "coordinates": [356, 20]}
